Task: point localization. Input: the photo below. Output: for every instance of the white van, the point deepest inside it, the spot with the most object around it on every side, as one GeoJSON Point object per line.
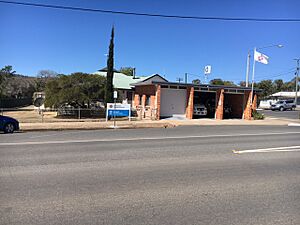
{"type": "Point", "coordinates": [266, 104]}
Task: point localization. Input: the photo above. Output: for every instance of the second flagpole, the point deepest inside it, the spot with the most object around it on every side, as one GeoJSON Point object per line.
{"type": "Point", "coordinates": [253, 73]}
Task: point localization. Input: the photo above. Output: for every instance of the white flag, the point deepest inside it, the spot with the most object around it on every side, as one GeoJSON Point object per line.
{"type": "Point", "coordinates": [259, 57]}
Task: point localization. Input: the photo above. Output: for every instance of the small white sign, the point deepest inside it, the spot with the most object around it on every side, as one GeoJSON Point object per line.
{"type": "Point", "coordinates": [115, 94]}
{"type": "Point", "coordinates": [118, 106]}
{"type": "Point", "coordinates": [207, 69]}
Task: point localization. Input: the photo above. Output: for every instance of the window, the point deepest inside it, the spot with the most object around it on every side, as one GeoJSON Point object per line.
{"type": "Point", "coordinates": [140, 99]}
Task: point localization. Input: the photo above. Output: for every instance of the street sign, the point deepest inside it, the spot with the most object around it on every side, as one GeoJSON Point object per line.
{"type": "Point", "coordinates": [207, 69]}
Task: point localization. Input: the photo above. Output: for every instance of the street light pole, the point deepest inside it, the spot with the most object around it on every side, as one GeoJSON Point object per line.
{"type": "Point", "coordinates": [248, 69]}
{"type": "Point", "coordinates": [252, 84]}
{"type": "Point", "coordinates": [297, 81]}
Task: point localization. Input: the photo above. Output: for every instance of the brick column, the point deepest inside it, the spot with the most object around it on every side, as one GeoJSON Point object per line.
{"type": "Point", "coordinates": [190, 103]}
{"type": "Point", "coordinates": [143, 100]}
{"type": "Point", "coordinates": [254, 104]}
{"type": "Point", "coordinates": [220, 104]}
{"type": "Point", "coordinates": [136, 100]}
{"type": "Point", "coordinates": [157, 102]}
{"type": "Point", "coordinates": [152, 101]}
{"type": "Point", "coordinates": [248, 110]}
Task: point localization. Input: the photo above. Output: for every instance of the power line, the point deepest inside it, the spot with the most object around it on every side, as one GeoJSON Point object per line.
{"type": "Point", "coordinates": [195, 75]}
{"type": "Point", "coordinates": [291, 70]}
{"type": "Point", "coordinates": [151, 15]}
{"type": "Point", "coordinates": [279, 75]}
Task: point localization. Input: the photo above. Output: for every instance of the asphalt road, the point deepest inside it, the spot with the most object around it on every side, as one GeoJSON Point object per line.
{"type": "Point", "coordinates": [294, 115]}
{"type": "Point", "coordinates": [184, 175]}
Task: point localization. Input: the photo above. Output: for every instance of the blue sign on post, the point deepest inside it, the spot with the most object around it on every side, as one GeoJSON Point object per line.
{"type": "Point", "coordinates": [118, 113]}
{"type": "Point", "coordinates": [117, 110]}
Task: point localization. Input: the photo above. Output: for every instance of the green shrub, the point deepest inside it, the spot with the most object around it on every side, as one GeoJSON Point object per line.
{"type": "Point", "coordinates": [257, 115]}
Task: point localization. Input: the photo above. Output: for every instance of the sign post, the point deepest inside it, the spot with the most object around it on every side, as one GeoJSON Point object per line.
{"type": "Point", "coordinates": [115, 109]}
{"type": "Point", "coordinates": [115, 98]}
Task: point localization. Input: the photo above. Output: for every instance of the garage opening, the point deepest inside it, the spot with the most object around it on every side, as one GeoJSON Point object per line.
{"type": "Point", "coordinates": [233, 106]}
{"type": "Point", "coordinates": [204, 104]}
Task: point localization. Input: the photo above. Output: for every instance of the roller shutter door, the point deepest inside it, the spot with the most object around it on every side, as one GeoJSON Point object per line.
{"type": "Point", "coordinates": [173, 102]}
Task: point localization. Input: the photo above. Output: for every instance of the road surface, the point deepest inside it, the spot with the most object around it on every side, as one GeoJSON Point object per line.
{"type": "Point", "coordinates": [184, 175]}
{"type": "Point", "coordinates": [288, 114]}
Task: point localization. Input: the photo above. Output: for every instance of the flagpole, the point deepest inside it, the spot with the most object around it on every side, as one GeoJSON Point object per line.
{"type": "Point", "coordinates": [253, 72]}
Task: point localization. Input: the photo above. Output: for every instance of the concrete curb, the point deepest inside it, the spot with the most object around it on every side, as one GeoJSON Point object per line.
{"type": "Point", "coordinates": [27, 127]}
{"type": "Point", "coordinates": [59, 126]}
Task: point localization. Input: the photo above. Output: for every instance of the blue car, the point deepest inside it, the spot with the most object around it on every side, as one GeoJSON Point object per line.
{"type": "Point", "coordinates": [8, 124]}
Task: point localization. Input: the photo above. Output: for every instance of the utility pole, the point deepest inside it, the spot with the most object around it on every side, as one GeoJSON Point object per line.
{"type": "Point", "coordinates": [185, 78]}
{"type": "Point", "coordinates": [179, 79]}
{"type": "Point", "coordinates": [297, 81]}
{"type": "Point", "coordinates": [248, 69]}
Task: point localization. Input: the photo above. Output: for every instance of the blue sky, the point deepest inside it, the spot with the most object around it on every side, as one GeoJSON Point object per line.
{"type": "Point", "coordinates": [33, 39]}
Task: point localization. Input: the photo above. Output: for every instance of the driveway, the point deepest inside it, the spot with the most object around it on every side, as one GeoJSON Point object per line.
{"type": "Point", "coordinates": [290, 115]}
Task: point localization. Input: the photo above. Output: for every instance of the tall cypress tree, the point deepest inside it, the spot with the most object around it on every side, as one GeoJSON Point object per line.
{"type": "Point", "coordinates": [110, 70]}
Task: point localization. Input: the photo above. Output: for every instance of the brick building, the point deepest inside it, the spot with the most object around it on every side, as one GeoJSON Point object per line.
{"type": "Point", "coordinates": [156, 98]}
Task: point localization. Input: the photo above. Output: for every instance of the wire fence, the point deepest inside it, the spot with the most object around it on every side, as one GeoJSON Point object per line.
{"type": "Point", "coordinates": [67, 114]}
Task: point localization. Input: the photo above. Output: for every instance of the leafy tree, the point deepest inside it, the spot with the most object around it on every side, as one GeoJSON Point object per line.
{"type": "Point", "coordinates": [43, 77]}
{"type": "Point", "coordinates": [278, 85]}
{"type": "Point", "coordinates": [5, 73]}
{"type": "Point", "coordinates": [196, 81]}
{"type": "Point", "coordinates": [266, 86]}
{"type": "Point", "coordinates": [290, 85]}
{"type": "Point", "coordinates": [242, 84]}
{"type": "Point", "coordinates": [129, 71]}
{"type": "Point", "coordinates": [219, 81]}
{"type": "Point", "coordinates": [110, 70]}
{"type": "Point", "coordinates": [47, 74]}
{"type": "Point", "coordinates": [8, 70]}
{"type": "Point", "coordinates": [78, 89]}
{"type": "Point", "coordinates": [229, 83]}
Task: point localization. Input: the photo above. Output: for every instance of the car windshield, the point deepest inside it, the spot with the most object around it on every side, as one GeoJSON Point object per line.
{"type": "Point", "coordinates": [279, 102]}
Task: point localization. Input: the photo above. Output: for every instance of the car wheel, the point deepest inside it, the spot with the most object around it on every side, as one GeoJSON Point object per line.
{"type": "Point", "coordinates": [9, 128]}
{"type": "Point", "coordinates": [281, 109]}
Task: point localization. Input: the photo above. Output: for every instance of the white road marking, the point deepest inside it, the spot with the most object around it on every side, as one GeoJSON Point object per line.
{"type": "Point", "coordinates": [276, 149]}
{"type": "Point", "coordinates": [294, 124]}
{"type": "Point", "coordinates": [141, 139]}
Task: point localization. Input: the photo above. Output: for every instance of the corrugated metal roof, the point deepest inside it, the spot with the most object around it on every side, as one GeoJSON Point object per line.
{"type": "Point", "coordinates": [122, 81]}
{"type": "Point", "coordinates": [199, 85]}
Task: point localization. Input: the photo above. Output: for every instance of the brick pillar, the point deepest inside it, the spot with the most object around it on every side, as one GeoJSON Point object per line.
{"type": "Point", "coordinates": [220, 104]}
{"type": "Point", "coordinates": [157, 101]}
{"type": "Point", "coordinates": [136, 100]}
{"type": "Point", "coordinates": [190, 103]}
{"type": "Point", "coordinates": [152, 107]}
{"type": "Point", "coordinates": [254, 104]}
{"type": "Point", "coordinates": [247, 110]}
{"type": "Point", "coordinates": [143, 100]}
{"type": "Point", "coordinates": [152, 102]}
